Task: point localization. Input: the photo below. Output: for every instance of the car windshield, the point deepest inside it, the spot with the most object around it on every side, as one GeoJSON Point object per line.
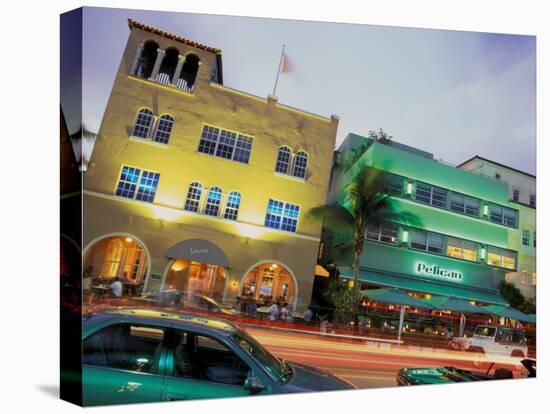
{"type": "Point", "coordinates": [276, 367]}
{"type": "Point", "coordinates": [485, 331]}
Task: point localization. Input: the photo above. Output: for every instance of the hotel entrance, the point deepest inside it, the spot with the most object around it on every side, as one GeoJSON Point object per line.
{"type": "Point", "coordinates": [196, 278]}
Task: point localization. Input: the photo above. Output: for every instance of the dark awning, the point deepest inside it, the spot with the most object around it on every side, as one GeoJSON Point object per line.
{"type": "Point", "coordinates": [198, 250]}
{"type": "Point", "coordinates": [434, 288]}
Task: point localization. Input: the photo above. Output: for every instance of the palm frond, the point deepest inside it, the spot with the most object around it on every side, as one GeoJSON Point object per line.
{"type": "Point", "coordinates": [334, 216]}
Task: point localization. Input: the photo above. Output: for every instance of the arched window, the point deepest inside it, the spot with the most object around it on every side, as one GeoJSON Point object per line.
{"type": "Point", "coordinates": [168, 66]}
{"type": "Point", "coordinates": [164, 128]}
{"type": "Point", "coordinates": [147, 59]}
{"type": "Point", "coordinates": [142, 126]}
{"type": "Point", "coordinates": [232, 205]}
{"type": "Point", "coordinates": [193, 197]}
{"type": "Point", "coordinates": [213, 201]}
{"type": "Point", "coordinates": [189, 72]}
{"type": "Point", "coordinates": [300, 165]}
{"type": "Point", "coordinates": [283, 160]}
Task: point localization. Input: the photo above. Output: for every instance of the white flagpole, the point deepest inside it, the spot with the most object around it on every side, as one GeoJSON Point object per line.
{"type": "Point", "coordinates": [278, 71]}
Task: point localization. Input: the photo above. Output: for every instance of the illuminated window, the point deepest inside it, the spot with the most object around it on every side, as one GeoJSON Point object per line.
{"type": "Point", "coordinates": [193, 199]}
{"type": "Point", "coordinates": [283, 160]}
{"type": "Point", "coordinates": [503, 215]}
{"type": "Point", "coordinates": [213, 201]}
{"type": "Point", "coordinates": [427, 241]}
{"type": "Point", "coordinates": [525, 239]}
{"type": "Point", "coordinates": [164, 128]}
{"type": "Point", "coordinates": [461, 249]}
{"type": "Point", "coordinates": [283, 216]}
{"type": "Point", "coordinates": [225, 144]}
{"type": "Point", "coordinates": [386, 233]}
{"type": "Point", "coordinates": [300, 165]}
{"type": "Point", "coordinates": [464, 205]}
{"type": "Point", "coordinates": [501, 258]}
{"type": "Point", "coordinates": [232, 206]}
{"type": "Point", "coordinates": [432, 195]}
{"type": "Point", "coordinates": [113, 257]}
{"type": "Point", "coordinates": [137, 184]}
{"type": "Point", "coordinates": [142, 126]}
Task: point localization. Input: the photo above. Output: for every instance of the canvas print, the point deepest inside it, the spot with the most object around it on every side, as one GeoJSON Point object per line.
{"type": "Point", "coordinates": [260, 206]}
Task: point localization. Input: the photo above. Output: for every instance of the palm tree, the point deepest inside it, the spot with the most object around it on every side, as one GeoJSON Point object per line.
{"type": "Point", "coordinates": [365, 203]}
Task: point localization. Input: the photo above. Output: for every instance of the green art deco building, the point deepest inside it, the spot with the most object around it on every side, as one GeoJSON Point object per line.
{"type": "Point", "coordinates": [462, 247]}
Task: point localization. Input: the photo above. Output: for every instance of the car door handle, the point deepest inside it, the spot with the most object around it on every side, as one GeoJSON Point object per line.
{"type": "Point", "coordinates": [176, 397]}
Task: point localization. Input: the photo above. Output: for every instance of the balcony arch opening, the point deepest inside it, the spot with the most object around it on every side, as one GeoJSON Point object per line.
{"type": "Point", "coordinates": [189, 72]}
{"type": "Point", "coordinates": [147, 59]}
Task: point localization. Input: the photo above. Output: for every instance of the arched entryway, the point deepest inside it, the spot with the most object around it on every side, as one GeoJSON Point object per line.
{"type": "Point", "coordinates": [270, 281]}
{"type": "Point", "coordinates": [116, 255]}
{"type": "Point", "coordinates": [198, 267]}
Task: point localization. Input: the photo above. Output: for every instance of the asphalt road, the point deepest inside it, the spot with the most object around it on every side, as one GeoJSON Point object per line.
{"type": "Point", "coordinates": [368, 365]}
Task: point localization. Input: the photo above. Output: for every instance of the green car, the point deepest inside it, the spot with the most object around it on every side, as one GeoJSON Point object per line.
{"type": "Point", "coordinates": [136, 356]}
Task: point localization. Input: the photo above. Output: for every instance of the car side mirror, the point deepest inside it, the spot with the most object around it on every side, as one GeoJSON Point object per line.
{"type": "Point", "coordinates": [253, 384]}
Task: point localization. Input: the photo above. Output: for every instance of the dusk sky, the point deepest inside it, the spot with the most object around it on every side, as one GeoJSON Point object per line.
{"type": "Point", "coordinates": [456, 94]}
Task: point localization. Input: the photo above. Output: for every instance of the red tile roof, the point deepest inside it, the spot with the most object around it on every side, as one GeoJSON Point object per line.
{"type": "Point", "coordinates": [132, 23]}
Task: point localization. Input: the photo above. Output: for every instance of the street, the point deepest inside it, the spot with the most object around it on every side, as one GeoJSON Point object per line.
{"type": "Point", "coordinates": [368, 365]}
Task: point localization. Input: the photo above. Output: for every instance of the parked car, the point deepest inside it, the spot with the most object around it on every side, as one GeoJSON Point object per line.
{"type": "Point", "coordinates": [445, 375]}
{"type": "Point", "coordinates": [491, 339]}
{"type": "Point", "coordinates": [145, 355]}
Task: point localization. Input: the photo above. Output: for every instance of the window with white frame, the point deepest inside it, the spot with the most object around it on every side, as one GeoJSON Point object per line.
{"type": "Point", "coordinates": [300, 165]}
{"type": "Point", "coordinates": [501, 258]}
{"type": "Point", "coordinates": [386, 232]}
{"type": "Point", "coordinates": [164, 129]}
{"type": "Point", "coordinates": [232, 205]}
{"type": "Point", "coordinates": [533, 200]}
{"type": "Point", "coordinates": [429, 194]}
{"type": "Point", "coordinates": [526, 239]}
{"type": "Point", "coordinates": [193, 199]}
{"type": "Point", "coordinates": [464, 205]}
{"type": "Point", "coordinates": [515, 194]}
{"type": "Point", "coordinates": [284, 157]}
{"type": "Point", "coordinates": [503, 215]}
{"type": "Point", "coordinates": [394, 185]}
{"type": "Point", "coordinates": [225, 144]}
{"type": "Point", "coordinates": [281, 215]}
{"type": "Point", "coordinates": [143, 123]}
{"type": "Point", "coordinates": [427, 241]}
{"type": "Point", "coordinates": [213, 202]}
{"type": "Point", "coordinates": [137, 184]}
{"type": "Point", "coordinates": [461, 249]}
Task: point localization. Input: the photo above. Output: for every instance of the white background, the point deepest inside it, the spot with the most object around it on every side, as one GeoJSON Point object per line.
{"type": "Point", "coordinates": [29, 201]}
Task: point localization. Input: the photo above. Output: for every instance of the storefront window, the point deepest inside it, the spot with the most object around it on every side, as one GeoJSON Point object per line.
{"type": "Point", "coordinates": [116, 257]}
{"type": "Point", "coordinates": [269, 281]}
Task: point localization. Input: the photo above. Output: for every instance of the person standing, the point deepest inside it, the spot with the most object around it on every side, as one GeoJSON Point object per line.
{"type": "Point", "coordinates": [273, 311]}
{"type": "Point", "coordinates": [116, 287]}
{"type": "Point", "coordinates": [308, 316]}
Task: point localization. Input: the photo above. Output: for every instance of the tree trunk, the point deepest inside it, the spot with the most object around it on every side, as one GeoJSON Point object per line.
{"type": "Point", "coordinates": [357, 249]}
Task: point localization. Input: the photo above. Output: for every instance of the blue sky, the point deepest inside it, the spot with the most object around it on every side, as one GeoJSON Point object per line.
{"type": "Point", "coordinates": [456, 94]}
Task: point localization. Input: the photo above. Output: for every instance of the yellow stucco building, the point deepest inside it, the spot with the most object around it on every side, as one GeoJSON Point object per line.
{"type": "Point", "coordinates": [198, 187]}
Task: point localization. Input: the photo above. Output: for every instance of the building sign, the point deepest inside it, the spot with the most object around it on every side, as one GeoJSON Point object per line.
{"type": "Point", "coordinates": [437, 271]}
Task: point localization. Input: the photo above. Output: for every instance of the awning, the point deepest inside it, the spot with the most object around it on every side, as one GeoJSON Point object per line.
{"type": "Point", "coordinates": [410, 283]}
{"type": "Point", "coordinates": [198, 250]}
{"type": "Point", "coordinates": [321, 271]}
